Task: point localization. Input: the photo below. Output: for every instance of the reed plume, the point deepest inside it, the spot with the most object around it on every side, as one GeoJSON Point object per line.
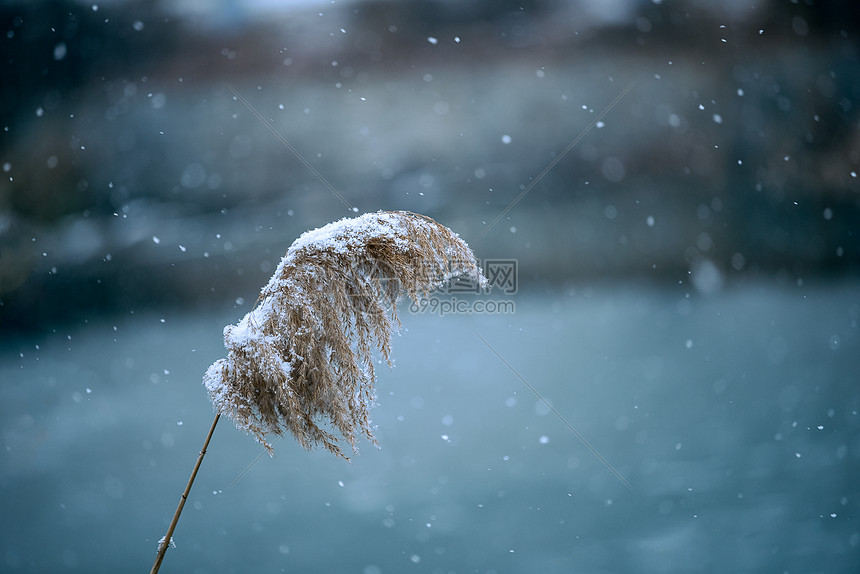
{"type": "Point", "coordinates": [302, 359]}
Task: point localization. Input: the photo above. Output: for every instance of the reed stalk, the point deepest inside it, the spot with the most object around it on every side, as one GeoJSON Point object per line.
{"type": "Point", "coordinates": [165, 542]}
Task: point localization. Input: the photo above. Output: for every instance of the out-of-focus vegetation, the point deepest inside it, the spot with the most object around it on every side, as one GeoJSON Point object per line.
{"type": "Point", "coordinates": [132, 174]}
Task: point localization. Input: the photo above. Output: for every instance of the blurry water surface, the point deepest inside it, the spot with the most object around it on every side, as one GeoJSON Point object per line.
{"type": "Point", "coordinates": [733, 416]}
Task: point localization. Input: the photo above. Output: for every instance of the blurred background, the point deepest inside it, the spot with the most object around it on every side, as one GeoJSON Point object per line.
{"type": "Point", "coordinates": [677, 181]}
{"type": "Point", "coordinates": [133, 176]}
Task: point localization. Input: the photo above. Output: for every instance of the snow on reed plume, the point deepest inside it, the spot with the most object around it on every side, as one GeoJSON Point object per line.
{"type": "Point", "coordinates": [302, 359]}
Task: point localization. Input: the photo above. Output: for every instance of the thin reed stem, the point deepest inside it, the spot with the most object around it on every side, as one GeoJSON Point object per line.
{"type": "Point", "coordinates": [165, 542]}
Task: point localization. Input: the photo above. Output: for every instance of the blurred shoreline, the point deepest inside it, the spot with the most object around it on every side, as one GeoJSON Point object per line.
{"type": "Point", "coordinates": [134, 178]}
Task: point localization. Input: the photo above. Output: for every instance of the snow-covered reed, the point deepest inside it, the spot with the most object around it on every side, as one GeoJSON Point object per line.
{"type": "Point", "coordinates": [302, 359]}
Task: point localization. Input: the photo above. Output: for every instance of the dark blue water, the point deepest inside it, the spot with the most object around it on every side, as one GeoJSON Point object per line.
{"type": "Point", "coordinates": [734, 417]}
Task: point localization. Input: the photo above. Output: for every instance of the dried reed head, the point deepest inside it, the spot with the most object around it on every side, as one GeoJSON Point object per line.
{"type": "Point", "coordinates": [302, 358]}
